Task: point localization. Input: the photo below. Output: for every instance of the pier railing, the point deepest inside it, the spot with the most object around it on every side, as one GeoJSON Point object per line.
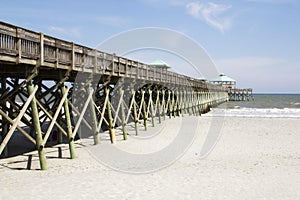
{"type": "Point", "coordinates": [22, 46]}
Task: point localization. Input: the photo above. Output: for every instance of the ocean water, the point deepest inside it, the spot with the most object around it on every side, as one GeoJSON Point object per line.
{"type": "Point", "coordinates": [263, 105]}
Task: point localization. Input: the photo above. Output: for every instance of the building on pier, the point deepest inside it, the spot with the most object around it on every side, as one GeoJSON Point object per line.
{"type": "Point", "coordinates": [225, 81]}
{"type": "Point", "coordinates": [234, 93]}
{"type": "Point", "coordinates": [160, 64]}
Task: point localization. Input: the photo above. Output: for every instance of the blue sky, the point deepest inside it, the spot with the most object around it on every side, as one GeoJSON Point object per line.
{"type": "Point", "coordinates": [256, 42]}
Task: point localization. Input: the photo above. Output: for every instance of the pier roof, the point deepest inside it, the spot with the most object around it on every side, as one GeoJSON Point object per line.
{"type": "Point", "coordinates": [223, 78]}
{"type": "Point", "coordinates": [160, 63]}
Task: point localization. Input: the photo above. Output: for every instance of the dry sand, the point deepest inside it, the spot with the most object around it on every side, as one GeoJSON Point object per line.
{"type": "Point", "coordinates": [255, 158]}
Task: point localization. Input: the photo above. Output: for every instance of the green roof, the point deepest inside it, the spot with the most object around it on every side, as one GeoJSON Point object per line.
{"type": "Point", "coordinates": [159, 63]}
{"type": "Point", "coordinates": [223, 78]}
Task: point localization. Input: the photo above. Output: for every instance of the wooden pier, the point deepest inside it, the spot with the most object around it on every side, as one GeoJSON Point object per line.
{"type": "Point", "coordinates": [63, 86]}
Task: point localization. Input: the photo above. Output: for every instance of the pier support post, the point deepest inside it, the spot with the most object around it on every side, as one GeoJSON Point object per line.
{"type": "Point", "coordinates": [136, 121]}
{"type": "Point", "coordinates": [169, 104]}
{"type": "Point", "coordinates": [123, 115]}
{"type": "Point", "coordinates": [173, 104]}
{"type": "Point", "coordinates": [178, 103]}
{"type": "Point", "coordinates": [37, 127]}
{"type": "Point", "coordinates": [150, 106]}
{"type": "Point", "coordinates": [164, 104]}
{"type": "Point", "coordinates": [94, 119]}
{"type": "Point", "coordinates": [158, 105]}
{"type": "Point", "coordinates": [69, 125]}
{"type": "Point", "coordinates": [110, 119]}
{"type": "Point", "coordinates": [3, 134]}
{"type": "Point", "coordinates": [4, 121]}
{"type": "Point", "coordinates": [144, 107]}
{"type": "Point", "coordinates": [60, 134]}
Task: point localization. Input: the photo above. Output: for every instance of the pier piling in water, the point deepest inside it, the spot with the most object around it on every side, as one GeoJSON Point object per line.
{"type": "Point", "coordinates": [240, 94]}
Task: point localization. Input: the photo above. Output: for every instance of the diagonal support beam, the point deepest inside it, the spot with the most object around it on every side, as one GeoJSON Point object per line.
{"type": "Point", "coordinates": [50, 117]}
{"type": "Point", "coordinates": [76, 111]}
{"type": "Point", "coordinates": [55, 116]}
{"type": "Point", "coordinates": [82, 112]}
{"type": "Point", "coordinates": [18, 127]}
{"type": "Point", "coordinates": [103, 111]}
{"type": "Point", "coordinates": [18, 119]}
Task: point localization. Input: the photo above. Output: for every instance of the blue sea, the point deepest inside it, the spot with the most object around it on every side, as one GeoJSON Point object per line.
{"type": "Point", "coordinates": [263, 105]}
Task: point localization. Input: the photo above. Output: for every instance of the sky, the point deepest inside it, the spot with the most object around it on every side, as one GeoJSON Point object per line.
{"type": "Point", "coordinates": [256, 42]}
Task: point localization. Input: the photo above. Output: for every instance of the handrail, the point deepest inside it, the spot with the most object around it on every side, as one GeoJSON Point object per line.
{"type": "Point", "coordinates": [48, 51]}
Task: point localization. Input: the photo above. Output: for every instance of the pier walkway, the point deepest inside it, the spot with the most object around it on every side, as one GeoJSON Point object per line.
{"type": "Point", "coordinates": [66, 87]}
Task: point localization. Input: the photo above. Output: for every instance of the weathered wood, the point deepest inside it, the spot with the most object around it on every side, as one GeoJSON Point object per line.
{"type": "Point", "coordinates": [37, 127]}
{"type": "Point", "coordinates": [82, 113]}
{"type": "Point", "coordinates": [18, 119]}
{"type": "Point", "coordinates": [94, 118]}
{"type": "Point", "coordinates": [150, 107]}
{"type": "Point", "coordinates": [158, 105]}
{"type": "Point", "coordinates": [69, 125]}
{"type": "Point", "coordinates": [26, 55]}
{"type": "Point", "coordinates": [123, 115]}
{"type": "Point", "coordinates": [5, 116]}
{"type": "Point", "coordinates": [75, 111]}
{"type": "Point", "coordinates": [163, 105]}
{"type": "Point", "coordinates": [110, 120]}
{"type": "Point", "coordinates": [144, 107]}
{"type": "Point", "coordinates": [135, 117]}
{"type": "Point", "coordinates": [103, 110]}
{"type": "Point", "coordinates": [4, 122]}
{"type": "Point", "coordinates": [53, 120]}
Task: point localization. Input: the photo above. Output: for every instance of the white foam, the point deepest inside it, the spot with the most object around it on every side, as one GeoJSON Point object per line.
{"type": "Point", "coordinates": [256, 112]}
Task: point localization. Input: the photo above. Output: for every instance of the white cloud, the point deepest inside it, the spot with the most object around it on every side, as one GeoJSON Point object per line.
{"type": "Point", "coordinates": [67, 32]}
{"type": "Point", "coordinates": [211, 13]}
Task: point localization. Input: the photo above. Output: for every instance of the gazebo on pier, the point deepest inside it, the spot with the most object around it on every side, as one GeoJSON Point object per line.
{"type": "Point", "coordinates": [225, 81]}
{"type": "Point", "coordinates": [160, 64]}
{"type": "Point", "coordinates": [234, 94]}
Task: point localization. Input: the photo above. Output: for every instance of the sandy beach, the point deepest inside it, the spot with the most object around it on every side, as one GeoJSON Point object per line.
{"type": "Point", "coordinates": [254, 158]}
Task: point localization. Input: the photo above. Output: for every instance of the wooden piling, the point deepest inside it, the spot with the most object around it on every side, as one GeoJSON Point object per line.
{"type": "Point", "coordinates": [144, 107]}
{"type": "Point", "coordinates": [110, 119]}
{"type": "Point", "coordinates": [158, 105]}
{"type": "Point", "coordinates": [94, 119]}
{"type": "Point", "coordinates": [38, 132]}
{"type": "Point", "coordinates": [135, 118]}
{"type": "Point", "coordinates": [150, 106]}
{"type": "Point", "coordinates": [123, 115]}
{"type": "Point", "coordinates": [69, 125]}
{"type": "Point", "coordinates": [4, 121]}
